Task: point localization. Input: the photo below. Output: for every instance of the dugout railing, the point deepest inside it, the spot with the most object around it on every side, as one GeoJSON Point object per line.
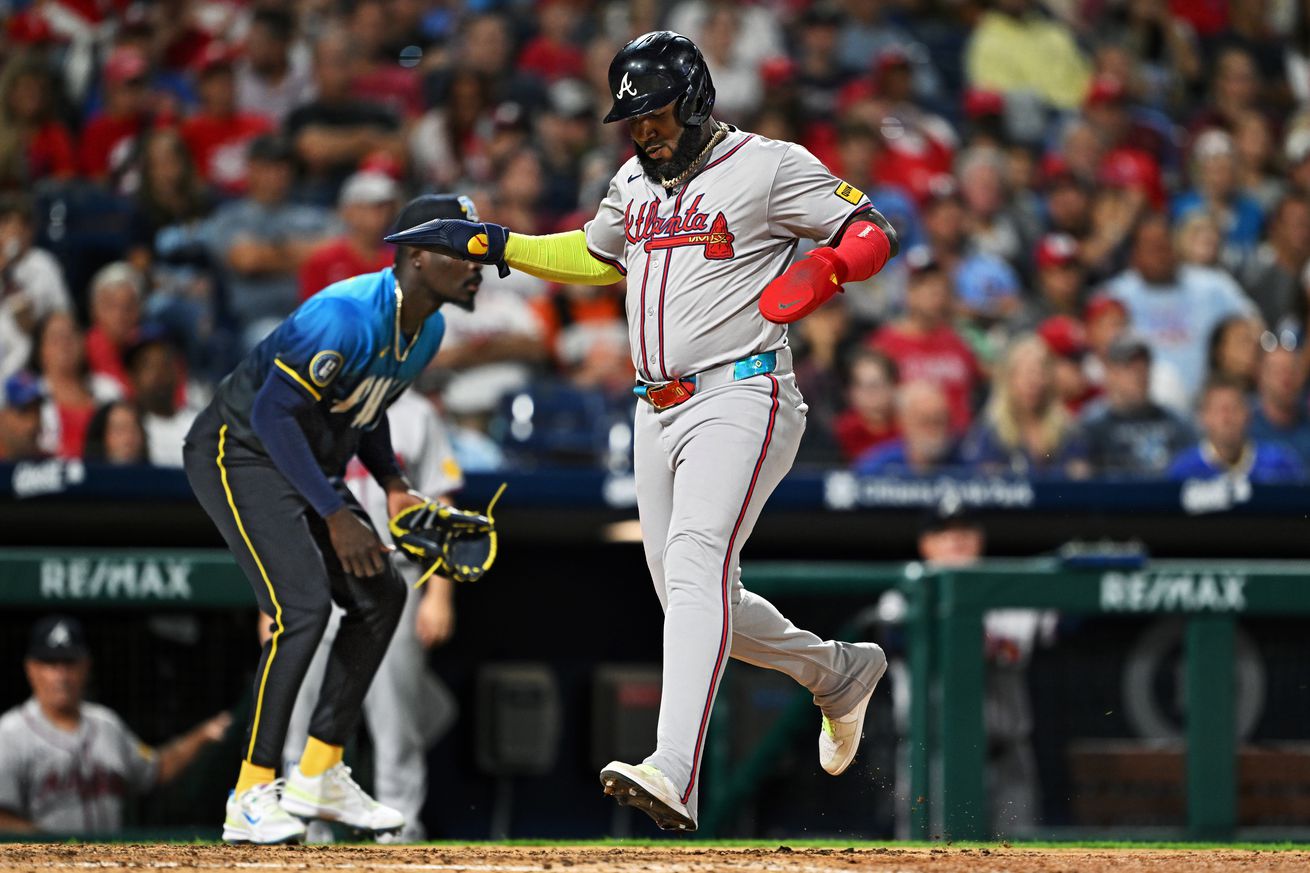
{"type": "Point", "coordinates": [1211, 595]}
{"type": "Point", "coordinates": [944, 642]}
{"type": "Point", "coordinates": [944, 627]}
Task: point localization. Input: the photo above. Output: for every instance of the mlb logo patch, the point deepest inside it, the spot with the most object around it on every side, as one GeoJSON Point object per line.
{"type": "Point", "coordinates": [849, 193]}
{"type": "Point", "coordinates": [323, 367]}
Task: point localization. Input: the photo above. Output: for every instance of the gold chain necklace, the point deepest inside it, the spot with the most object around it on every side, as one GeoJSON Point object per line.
{"type": "Point", "coordinates": [719, 133]}
{"type": "Point", "coordinates": [400, 302]}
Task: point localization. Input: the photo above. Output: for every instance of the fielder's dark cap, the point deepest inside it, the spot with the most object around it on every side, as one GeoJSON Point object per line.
{"type": "Point", "coordinates": [429, 207]}
{"type": "Point", "coordinates": [57, 638]}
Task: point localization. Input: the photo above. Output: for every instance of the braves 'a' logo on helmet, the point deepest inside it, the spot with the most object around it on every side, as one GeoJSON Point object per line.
{"type": "Point", "coordinates": [657, 69]}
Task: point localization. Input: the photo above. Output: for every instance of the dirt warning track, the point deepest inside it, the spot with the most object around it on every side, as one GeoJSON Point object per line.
{"type": "Point", "coordinates": [54, 858]}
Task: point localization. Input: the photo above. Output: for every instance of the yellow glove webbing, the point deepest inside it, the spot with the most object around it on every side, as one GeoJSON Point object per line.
{"type": "Point", "coordinates": [440, 562]}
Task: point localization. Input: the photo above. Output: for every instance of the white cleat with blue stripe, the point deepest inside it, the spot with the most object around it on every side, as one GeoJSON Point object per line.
{"type": "Point", "coordinates": [257, 816]}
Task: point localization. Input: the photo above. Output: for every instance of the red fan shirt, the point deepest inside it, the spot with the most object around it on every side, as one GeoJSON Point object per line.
{"type": "Point", "coordinates": [100, 138]}
{"type": "Point", "coordinates": [50, 153]}
{"type": "Point", "coordinates": [218, 146]}
{"type": "Point", "coordinates": [941, 357]}
{"type": "Point", "coordinates": [336, 260]}
{"type": "Point", "coordinates": [855, 437]}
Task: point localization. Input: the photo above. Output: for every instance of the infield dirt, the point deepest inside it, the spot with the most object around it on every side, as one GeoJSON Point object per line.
{"type": "Point", "coordinates": [48, 858]}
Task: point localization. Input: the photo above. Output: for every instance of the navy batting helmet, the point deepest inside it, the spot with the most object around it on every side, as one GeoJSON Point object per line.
{"type": "Point", "coordinates": [654, 70]}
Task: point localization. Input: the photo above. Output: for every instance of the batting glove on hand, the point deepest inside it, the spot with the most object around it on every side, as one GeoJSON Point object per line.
{"type": "Point", "coordinates": [482, 242]}
{"type": "Point", "coordinates": [802, 288]}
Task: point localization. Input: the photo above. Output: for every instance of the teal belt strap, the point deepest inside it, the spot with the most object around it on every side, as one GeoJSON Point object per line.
{"type": "Point", "coordinates": [755, 365]}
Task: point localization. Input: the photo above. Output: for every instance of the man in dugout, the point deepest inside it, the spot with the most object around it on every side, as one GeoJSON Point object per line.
{"type": "Point", "coordinates": [68, 766]}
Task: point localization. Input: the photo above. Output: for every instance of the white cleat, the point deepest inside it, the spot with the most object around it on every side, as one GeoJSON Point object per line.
{"type": "Point", "coordinates": [646, 788]}
{"type": "Point", "coordinates": [334, 796]}
{"type": "Point", "coordinates": [839, 738]}
{"type": "Point", "coordinates": [257, 817]}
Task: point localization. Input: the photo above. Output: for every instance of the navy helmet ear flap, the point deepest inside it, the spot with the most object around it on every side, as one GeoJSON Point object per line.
{"type": "Point", "coordinates": [695, 105]}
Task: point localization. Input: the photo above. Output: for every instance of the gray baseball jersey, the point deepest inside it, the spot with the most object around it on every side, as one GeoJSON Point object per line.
{"type": "Point", "coordinates": [697, 259]}
{"type": "Point", "coordinates": [71, 782]}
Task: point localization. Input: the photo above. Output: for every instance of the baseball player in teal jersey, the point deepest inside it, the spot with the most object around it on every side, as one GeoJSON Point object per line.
{"type": "Point", "coordinates": [266, 460]}
{"type": "Point", "coordinates": [704, 221]}
{"type": "Point", "coordinates": [407, 707]}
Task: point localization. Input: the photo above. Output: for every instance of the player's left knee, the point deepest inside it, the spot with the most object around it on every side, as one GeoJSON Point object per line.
{"type": "Point", "coordinates": [391, 593]}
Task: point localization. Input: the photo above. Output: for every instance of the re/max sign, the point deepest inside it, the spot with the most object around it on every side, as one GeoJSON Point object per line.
{"type": "Point", "coordinates": [1173, 592]}
{"type": "Point", "coordinates": [126, 579]}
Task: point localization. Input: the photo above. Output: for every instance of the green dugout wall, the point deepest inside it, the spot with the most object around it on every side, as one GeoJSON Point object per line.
{"type": "Point", "coordinates": [1212, 595]}
{"type": "Point", "coordinates": [945, 640]}
{"type": "Point", "coordinates": [944, 634]}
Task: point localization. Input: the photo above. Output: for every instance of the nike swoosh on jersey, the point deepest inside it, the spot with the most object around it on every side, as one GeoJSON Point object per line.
{"type": "Point", "coordinates": [638, 176]}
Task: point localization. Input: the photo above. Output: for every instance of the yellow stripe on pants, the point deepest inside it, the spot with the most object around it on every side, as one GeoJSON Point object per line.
{"type": "Point", "coordinates": [277, 617]}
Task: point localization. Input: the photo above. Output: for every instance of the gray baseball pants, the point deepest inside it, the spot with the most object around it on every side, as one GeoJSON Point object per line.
{"type": "Point", "coordinates": [704, 470]}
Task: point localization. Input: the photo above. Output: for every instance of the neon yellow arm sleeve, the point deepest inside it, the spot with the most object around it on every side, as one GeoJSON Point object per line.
{"type": "Point", "coordinates": [559, 257]}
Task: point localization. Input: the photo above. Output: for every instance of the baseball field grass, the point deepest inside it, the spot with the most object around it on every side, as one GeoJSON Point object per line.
{"type": "Point", "coordinates": [662, 856]}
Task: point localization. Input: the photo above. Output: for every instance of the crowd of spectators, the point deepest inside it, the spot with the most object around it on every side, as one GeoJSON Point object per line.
{"type": "Point", "coordinates": [1104, 209]}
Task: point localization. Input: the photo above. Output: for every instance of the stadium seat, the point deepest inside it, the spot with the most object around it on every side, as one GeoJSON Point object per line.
{"type": "Point", "coordinates": [84, 227]}
{"type": "Point", "coordinates": [560, 423]}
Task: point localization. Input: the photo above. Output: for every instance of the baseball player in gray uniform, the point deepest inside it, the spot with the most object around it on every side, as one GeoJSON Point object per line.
{"type": "Point", "coordinates": [703, 222]}
{"type": "Point", "coordinates": [68, 766]}
{"type": "Point", "coordinates": [407, 708]}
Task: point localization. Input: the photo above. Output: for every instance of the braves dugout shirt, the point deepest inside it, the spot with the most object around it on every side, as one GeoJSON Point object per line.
{"type": "Point", "coordinates": [71, 781]}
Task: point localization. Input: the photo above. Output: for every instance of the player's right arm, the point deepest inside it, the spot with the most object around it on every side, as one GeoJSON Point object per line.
{"type": "Point", "coordinates": [179, 753]}
{"type": "Point", "coordinates": [556, 257]}
{"type": "Point", "coordinates": [560, 257]}
{"type": "Point", "coordinates": [592, 256]}
{"type": "Point", "coordinates": [326, 338]}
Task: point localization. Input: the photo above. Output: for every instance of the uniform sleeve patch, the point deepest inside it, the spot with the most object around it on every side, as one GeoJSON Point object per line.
{"type": "Point", "coordinates": [849, 193]}
{"type": "Point", "coordinates": [323, 367]}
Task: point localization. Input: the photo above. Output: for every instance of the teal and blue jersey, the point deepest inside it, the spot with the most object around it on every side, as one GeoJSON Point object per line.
{"type": "Point", "coordinates": [343, 348]}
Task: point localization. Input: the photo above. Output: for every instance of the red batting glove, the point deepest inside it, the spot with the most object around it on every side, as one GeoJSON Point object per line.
{"type": "Point", "coordinates": [803, 287]}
